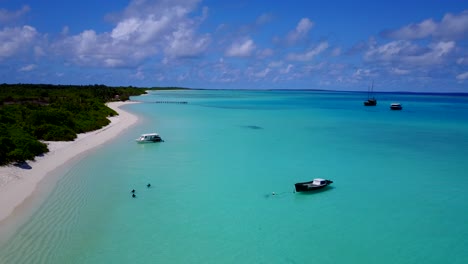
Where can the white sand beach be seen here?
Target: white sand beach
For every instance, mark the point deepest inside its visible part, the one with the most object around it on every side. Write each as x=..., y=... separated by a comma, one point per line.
x=17, y=184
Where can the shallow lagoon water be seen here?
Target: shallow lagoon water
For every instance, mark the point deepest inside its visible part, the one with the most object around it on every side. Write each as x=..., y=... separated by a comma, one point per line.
x=399, y=192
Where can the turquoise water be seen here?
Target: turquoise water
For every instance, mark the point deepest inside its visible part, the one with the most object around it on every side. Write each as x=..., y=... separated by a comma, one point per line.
x=399, y=192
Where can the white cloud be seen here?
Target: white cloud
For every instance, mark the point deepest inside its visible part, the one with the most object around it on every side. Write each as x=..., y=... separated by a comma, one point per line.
x=389, y=51
x=413, y=31
x=125, y=29
x=65, y=30
x=27, y=68
x=39, y=51
x=185, y=43
x=265, y=53
x=462, y=61
x=10, y=16
x=143, y=8
x=451, y=27
x=336, y=52
x=264, y=19
x=112, y=62
x=398, y=71
x=300, y=32
x=462, y=76
x=220, y=72
x=310, y=54
x=139, y=74
x=275, y=64
x=145, y=29
x=16, y=40
x=362, y=73
x=92, y=49
x=262, y=74
x=287, y=69
x=407, y=52
x=241, y=49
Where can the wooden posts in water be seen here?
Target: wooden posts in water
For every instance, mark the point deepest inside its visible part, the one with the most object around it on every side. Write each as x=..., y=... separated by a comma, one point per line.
x=170, y=102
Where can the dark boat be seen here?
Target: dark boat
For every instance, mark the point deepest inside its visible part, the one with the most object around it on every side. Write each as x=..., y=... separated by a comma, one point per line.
x=312, y=185
x=151, y=137
x=370, y=101
x=396, y=106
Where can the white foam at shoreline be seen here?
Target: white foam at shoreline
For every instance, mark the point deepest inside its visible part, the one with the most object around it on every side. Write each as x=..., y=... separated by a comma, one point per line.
x=17, y=184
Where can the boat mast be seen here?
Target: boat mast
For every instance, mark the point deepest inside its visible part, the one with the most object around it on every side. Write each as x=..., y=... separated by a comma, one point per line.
x=368, y=92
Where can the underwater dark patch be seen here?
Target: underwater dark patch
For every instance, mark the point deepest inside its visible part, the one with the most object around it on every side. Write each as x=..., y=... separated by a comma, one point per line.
x=253, y=127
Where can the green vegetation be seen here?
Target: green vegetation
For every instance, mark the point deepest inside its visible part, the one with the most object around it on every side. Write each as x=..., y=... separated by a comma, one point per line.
x=30, y=113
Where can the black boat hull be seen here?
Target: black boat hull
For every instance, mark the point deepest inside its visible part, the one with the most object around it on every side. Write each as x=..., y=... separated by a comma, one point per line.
x=308, y=186
x=370, y=102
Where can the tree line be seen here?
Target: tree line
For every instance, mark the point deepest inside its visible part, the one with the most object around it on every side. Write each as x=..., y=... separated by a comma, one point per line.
x=32, y=113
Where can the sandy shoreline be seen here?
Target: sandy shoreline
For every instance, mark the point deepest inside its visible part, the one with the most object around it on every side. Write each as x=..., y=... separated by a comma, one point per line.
x=17, y=184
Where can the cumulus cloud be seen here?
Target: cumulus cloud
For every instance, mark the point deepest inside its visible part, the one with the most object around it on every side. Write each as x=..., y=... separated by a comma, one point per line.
x=451, y=27
x=407, y=52
x=141, y=30
x=336, y=52
x=287, y=69
x=184, y=43
x=300, y=32
x=221, y=72
x=16, y=40
x=241, y=49
x=462, y=76
x=275, y=64
x=309, y=54
x=145, y=28
x=398, y=71
x=265, y=53
x=7, y=16
x=362, y=73
x=462, y=61
x=264, y=19
x=139, y=74
x=258, y=74
x=27, y=68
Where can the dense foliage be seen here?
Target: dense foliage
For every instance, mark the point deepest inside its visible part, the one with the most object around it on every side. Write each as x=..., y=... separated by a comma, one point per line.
x=30, y=113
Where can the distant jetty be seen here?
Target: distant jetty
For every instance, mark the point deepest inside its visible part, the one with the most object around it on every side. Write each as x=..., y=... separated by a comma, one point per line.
x=164, y=102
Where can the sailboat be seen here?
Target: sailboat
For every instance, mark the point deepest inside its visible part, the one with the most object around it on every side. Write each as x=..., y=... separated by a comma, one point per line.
x=370, y=101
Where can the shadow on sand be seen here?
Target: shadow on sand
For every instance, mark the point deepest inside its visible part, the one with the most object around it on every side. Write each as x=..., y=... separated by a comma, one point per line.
x=23, y=165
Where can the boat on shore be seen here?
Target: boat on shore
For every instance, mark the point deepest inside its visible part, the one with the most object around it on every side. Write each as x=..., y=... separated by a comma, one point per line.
x=313, y=185
x=396, y=106
x=149, y=138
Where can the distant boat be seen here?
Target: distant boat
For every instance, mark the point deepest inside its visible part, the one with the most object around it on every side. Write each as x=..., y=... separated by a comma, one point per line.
x=395, y=106
x=148, y=138
x=370, y=101
x=312, y=185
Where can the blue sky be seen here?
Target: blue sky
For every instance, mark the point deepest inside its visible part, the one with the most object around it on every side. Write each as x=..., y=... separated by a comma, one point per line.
x=418, y=46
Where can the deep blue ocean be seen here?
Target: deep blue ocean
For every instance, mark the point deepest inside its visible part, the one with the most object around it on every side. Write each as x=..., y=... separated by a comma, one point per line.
x=400, y=191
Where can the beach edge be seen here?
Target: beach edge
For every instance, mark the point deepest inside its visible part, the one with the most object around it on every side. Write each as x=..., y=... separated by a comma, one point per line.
x=18, y=184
